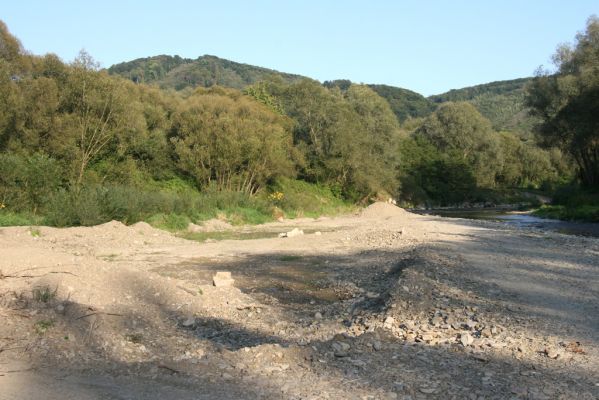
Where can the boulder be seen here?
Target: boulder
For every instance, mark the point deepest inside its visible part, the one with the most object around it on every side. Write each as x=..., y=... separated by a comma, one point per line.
x=222, y=279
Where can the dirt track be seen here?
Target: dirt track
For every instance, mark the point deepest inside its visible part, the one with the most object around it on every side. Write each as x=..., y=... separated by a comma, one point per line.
x=384, y=305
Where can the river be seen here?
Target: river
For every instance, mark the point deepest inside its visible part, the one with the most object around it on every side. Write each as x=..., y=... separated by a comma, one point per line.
x=521, y=220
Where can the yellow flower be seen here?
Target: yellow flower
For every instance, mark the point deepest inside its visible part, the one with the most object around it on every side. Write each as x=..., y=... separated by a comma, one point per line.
x=276, y=196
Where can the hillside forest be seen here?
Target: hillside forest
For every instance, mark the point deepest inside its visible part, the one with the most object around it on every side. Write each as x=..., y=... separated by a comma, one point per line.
x=172, y=140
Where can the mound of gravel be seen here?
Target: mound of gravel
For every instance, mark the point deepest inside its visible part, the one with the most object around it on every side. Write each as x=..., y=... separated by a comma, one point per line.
x=382, y=210
x=145, y=228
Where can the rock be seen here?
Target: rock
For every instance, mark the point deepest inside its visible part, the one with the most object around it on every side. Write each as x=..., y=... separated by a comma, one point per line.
x=551, y=353
x=486, y=332
x=317, y=315
x=341, y=346
x=222, y=279
x=317, y=233
x=427, y=390
x=60, y=308
x=437, y=320
x=427, y=337
x=189, y=322
x=389, y=321
x=466, y=339
x=357, y=363
x=292, y=233
x=340, y=349
x=377, y=345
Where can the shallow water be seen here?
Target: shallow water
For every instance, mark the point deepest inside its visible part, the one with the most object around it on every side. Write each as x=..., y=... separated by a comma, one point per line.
x=522, y=220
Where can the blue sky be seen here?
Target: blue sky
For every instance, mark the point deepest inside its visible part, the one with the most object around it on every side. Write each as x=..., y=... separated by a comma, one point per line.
x=426, y=46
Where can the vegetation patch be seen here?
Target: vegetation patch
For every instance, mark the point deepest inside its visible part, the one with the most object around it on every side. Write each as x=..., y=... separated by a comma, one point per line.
x=43, y=326
x=44, y=294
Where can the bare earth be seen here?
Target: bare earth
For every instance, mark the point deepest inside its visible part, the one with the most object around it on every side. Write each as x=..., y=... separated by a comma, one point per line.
x=384, y=305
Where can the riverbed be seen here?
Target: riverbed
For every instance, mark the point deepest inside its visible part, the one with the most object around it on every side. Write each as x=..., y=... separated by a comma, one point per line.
x=521, y=220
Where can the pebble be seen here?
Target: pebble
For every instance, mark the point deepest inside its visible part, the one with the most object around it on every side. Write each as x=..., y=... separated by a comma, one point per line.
x=317, y=315
x=466, y=339
x=189, y=322
x=551, y=353
x=377, y=345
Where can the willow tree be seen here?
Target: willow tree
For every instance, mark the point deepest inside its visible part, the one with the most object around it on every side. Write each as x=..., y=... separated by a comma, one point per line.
x=229, y=141
x=461, y=132
x=95, y=112
x=567, y=102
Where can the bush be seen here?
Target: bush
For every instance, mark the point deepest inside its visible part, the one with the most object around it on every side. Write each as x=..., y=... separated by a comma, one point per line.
x=170, y=222
x=27, y=181
x=300, y=197
x=8, y=218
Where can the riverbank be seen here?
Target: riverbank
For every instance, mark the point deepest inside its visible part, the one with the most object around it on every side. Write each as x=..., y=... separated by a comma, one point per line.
x=584, y=213
x=382, y=305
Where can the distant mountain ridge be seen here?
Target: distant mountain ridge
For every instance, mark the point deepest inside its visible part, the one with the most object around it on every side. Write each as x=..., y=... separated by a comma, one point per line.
x=174, y=72
x=502, y=102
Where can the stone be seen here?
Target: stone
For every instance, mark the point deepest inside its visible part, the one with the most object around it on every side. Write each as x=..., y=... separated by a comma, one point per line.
x=552, y=353
x=292, y=233
x=389, y=321
x=377, y=345
x=427, y=337
x=222, y=279
x=318, y=233
x=317, y=315
x=466, y=339
x=341, y=346
x=189, y=322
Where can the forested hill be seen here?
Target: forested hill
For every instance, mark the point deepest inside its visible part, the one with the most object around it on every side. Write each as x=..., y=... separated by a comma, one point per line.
x=405, y=103
x=174, y=72
x=502, y=102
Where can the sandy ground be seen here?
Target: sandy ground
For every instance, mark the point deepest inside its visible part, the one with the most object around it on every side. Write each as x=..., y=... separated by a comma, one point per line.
x=382, y=305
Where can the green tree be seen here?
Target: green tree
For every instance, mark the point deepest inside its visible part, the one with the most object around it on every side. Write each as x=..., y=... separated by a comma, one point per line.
x=567, y=102
x=224, y=139
x=95, y=111
x=460, y=130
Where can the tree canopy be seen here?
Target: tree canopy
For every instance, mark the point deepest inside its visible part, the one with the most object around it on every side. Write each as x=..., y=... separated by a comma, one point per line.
x=567, y=102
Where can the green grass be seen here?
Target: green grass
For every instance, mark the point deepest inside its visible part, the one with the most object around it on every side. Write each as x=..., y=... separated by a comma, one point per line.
x=8, y=218
x=173, y=204
x=44, y=294
x=303, y=199
x=226, y=235
x=169, y=222
x=290, y=257
x=588, y=213
x=35, y=232
x=42, y=326
x=573, y=203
